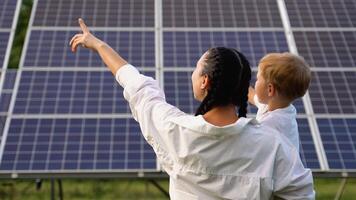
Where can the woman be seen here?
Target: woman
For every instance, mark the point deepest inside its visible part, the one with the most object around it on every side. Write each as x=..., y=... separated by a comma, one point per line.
x=217, y=154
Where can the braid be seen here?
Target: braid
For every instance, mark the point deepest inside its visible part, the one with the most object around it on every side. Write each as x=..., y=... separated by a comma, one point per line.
x=225, y=88
x=244, y=82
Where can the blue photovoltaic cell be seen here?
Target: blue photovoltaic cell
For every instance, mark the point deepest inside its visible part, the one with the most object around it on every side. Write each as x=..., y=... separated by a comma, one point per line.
x=220, y=13
x=10, y=78
x=103, y=13
x=327, y=48
x=76, y=144
x=7, y=11
x=68, y=92
x=333, y=92
x=322, y=13
x=183, y=49
x=179, y=92
x=339, y=140
x=5, y=99
x=51, y=49
x=4, y=38
x=307, y=147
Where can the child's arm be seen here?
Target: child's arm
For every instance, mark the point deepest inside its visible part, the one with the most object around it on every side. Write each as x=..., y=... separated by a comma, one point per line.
x=251, y=95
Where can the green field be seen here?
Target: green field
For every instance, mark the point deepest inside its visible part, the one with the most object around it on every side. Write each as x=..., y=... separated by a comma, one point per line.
x=137, y=189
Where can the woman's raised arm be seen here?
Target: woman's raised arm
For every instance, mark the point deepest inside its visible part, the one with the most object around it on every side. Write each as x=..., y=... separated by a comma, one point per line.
x=109, y=56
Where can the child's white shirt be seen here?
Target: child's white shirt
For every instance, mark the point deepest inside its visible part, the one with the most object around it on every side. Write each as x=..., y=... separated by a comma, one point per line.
x=282, y=119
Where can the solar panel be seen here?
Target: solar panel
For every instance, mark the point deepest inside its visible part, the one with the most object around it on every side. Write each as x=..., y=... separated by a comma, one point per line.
x=7, y=10
x=339, y=139
x=70, y=115
x=322, y=13
x=103, y=13
x=183, y=49
x=76, y=144
x=51, y=49
x=333, y=92
x=327, y=48
x=220, y=13
x=68, y=92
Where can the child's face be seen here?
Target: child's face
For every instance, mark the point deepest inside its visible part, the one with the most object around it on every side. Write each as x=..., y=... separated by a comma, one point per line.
x=261, y=88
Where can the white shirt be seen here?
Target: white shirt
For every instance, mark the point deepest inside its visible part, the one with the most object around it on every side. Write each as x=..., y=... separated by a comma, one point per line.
x=239, y=161
x=282, y=119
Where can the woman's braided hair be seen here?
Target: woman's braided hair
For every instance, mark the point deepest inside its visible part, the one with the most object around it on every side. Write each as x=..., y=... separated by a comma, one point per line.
x=229, y=74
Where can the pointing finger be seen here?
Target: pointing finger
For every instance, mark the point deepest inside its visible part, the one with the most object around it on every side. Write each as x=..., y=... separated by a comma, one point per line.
x=83, y=26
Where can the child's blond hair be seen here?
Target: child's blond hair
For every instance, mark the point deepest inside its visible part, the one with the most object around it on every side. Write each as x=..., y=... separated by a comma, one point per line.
x=288, y=73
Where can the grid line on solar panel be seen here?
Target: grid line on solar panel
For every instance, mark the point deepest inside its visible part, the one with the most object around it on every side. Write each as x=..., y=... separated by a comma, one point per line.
x=103, y=13
x=69, y=92
x=183, y=49
x=333, y=92
x=339, y=140
x=220, y=13
x=327, y=49
x=51, y=48
x=321, y=13
x=76, y=144
x=7, y=12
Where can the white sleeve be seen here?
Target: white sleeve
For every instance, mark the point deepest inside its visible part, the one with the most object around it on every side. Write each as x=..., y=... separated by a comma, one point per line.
x=291, y=179
x=149, y=107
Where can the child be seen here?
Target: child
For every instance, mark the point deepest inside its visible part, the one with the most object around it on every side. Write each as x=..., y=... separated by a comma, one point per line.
x=281, y=78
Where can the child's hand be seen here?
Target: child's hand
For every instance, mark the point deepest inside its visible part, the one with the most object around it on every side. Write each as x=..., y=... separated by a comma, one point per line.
x=86, y=39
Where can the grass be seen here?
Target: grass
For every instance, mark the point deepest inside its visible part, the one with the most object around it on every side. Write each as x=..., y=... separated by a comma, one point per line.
x=138, y=189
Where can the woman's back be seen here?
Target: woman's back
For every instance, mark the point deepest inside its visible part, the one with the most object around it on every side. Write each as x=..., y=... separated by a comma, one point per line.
x=206, y=167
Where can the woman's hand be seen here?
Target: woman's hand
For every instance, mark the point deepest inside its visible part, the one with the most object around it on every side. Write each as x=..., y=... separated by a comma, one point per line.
x=85, y=39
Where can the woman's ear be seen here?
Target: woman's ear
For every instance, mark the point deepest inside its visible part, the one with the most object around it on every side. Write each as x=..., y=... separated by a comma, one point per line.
x=205, y=82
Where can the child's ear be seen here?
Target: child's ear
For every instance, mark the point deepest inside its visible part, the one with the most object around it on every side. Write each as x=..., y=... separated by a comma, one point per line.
x=271, y=90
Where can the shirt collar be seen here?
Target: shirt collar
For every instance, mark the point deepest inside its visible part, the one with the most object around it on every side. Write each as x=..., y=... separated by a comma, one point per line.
x=198, y=124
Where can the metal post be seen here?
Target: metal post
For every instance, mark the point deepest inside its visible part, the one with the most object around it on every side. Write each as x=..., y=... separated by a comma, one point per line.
x=60, y=189
x=159, y=187
x=53, y=191
x=341, y=189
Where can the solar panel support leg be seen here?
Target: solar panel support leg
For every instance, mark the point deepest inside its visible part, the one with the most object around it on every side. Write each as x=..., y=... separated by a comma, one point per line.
x=341, y=189
x=60, y=189
x=53, y=190
x=160, y=188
